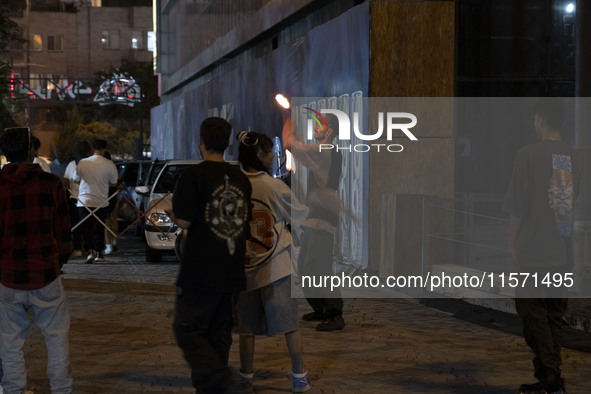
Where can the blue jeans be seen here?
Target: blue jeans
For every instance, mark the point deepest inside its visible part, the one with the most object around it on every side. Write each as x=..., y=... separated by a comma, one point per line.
x=50, y=310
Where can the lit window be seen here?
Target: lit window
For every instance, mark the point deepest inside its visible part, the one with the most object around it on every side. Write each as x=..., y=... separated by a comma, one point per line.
x=137, y=40
x=97, y=3
x=35, y=42
x=55, y=43
x=110, y=39
x=151, y=41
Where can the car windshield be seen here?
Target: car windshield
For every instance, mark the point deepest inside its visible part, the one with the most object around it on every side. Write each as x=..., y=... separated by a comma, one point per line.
x=168, y=177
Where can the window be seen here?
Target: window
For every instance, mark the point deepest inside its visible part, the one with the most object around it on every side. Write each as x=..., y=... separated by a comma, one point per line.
x=110, y=39
x=137, y=40
x=96, y=3
x=55, y=43
x=35, y=42
x=151, y=41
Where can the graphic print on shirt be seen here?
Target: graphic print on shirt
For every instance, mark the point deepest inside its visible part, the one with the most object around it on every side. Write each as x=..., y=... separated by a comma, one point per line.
x=561, y=193
x=262, y=245
x=226, y=213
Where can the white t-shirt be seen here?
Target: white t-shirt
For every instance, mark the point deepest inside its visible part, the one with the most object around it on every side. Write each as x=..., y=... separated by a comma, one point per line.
x=42, y=163
x=71, y=176
x=95, y=174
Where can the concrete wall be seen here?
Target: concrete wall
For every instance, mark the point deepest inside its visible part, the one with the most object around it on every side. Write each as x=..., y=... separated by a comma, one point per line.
x=412, y=55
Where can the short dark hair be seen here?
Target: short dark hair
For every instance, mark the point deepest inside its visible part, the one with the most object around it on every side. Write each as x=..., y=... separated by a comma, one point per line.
x=251, y=144
x=332, y=122
x=35, y=142
x=81, y=149
x=552, y=110
x=15, y=143
x=215, y=134
x=99, y=144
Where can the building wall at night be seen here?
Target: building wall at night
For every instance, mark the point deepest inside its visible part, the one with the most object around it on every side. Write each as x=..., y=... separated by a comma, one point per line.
x=306, y=48
x=73, y=43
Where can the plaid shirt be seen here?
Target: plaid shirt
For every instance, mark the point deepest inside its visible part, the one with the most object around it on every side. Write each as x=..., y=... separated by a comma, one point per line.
x=35, y=237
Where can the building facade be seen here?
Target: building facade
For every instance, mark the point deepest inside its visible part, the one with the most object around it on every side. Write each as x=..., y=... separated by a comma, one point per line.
x=70, y=43
x=230, y=58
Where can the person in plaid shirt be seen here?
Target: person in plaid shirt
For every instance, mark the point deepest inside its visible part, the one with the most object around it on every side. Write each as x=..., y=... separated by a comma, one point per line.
x=35, y=241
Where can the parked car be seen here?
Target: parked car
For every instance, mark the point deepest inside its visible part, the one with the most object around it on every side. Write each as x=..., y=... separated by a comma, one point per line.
x=159, y=231
x=141, y=194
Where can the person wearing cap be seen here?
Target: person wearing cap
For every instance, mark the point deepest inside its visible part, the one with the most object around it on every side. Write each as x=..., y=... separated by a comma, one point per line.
x=35, y=242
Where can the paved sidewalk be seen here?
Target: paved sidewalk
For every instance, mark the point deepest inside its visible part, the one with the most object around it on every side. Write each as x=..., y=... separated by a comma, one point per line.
x=122, y=342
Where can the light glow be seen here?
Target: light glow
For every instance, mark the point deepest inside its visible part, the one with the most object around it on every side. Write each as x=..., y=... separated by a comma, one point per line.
x=282, y=101
x=570, y=8
x=289, y=162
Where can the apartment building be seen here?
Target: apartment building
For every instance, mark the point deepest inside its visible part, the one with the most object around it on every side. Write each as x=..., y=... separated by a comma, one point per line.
x=69, y=42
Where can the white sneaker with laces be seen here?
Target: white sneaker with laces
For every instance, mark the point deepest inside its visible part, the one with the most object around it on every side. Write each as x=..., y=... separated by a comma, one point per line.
x=108, y=249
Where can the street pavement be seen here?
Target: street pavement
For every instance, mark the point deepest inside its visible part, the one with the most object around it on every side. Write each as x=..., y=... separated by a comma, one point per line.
x=122, y=342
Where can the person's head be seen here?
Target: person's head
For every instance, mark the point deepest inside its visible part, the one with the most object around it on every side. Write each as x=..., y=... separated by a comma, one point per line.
x=255, y=151
x=549, y=113
x=35, y=143
x=323, y=134
x=81, y=150
x=61, y=155
x=99, y=145
x=16, y=144
x=215, y=135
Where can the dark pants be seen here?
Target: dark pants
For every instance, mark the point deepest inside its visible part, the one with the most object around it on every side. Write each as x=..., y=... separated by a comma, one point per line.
x=93, y=231
x=203, y=330
x=315, y=259
x=77, y=235
x=542, y=329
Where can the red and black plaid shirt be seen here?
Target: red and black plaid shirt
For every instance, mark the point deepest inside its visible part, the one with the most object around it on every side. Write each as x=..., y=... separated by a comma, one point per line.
x=35, y=237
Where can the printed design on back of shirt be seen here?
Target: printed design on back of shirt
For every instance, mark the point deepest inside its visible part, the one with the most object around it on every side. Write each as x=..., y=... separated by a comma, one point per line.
x=264, y=236
x=226, y=213
x=561, y=193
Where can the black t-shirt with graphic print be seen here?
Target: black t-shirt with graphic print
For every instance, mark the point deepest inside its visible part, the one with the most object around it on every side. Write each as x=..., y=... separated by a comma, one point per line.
x=215, y=198
x=545, y=182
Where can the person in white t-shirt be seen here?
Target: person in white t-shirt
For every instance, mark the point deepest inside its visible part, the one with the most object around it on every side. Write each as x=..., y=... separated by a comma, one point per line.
x=96, y=174
x=81, y=150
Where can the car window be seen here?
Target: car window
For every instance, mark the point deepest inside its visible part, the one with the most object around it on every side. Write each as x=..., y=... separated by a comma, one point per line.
x=156, y=168
x=168, y=178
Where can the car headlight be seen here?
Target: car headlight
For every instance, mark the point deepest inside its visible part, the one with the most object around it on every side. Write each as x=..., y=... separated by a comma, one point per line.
x=160, y=218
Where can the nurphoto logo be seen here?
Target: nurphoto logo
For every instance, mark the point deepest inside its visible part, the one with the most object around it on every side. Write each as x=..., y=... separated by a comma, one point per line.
x=392, y=124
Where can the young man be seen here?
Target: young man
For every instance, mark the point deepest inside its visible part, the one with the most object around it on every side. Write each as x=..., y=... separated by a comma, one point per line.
x=540, y=201
x=34, y=244
x=96, y=174
x=212, y=201
x=317, y=250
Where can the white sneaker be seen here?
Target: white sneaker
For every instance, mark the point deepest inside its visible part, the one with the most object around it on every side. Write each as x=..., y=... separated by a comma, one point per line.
x=108, y=249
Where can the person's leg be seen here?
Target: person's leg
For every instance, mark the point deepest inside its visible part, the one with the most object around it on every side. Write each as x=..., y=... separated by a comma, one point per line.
x=556, y=309
x=86, y=228
x=99, y=230
x=246, y=346
x=14, y=325
x=202, y=327
x=295, y=348
x=538, y=336
x=51, y=313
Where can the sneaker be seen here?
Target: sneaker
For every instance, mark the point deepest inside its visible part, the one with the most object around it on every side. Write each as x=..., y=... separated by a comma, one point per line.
x=331, y=324
x=300, y=383
x=108, y=249
x=314, y=316
x=535, y=388
x=91, y=257
x=245, y=382
x=77, y=253
x=99, y=257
